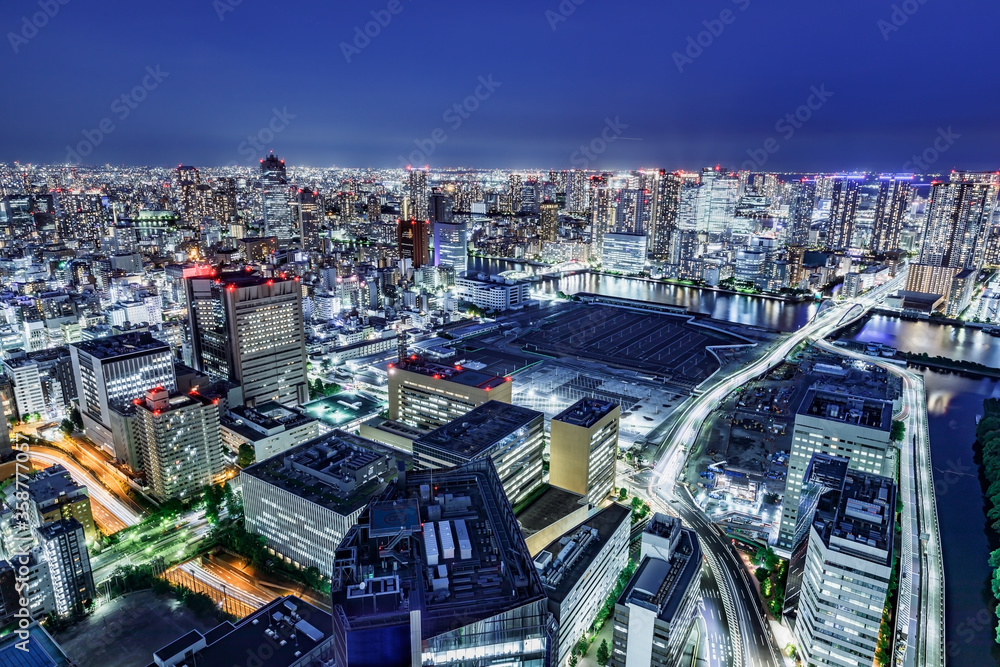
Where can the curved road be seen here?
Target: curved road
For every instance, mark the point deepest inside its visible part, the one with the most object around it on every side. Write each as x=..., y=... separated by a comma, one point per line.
x=745, y=623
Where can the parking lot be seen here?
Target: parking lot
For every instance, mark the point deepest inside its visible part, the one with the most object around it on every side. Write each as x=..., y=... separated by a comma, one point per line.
x=660, y=345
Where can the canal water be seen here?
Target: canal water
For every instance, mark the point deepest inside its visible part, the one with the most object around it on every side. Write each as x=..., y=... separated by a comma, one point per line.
x=954, y=401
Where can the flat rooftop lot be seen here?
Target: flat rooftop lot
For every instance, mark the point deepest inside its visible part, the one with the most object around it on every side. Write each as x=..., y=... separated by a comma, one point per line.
x=651, y=343
x=126, y=631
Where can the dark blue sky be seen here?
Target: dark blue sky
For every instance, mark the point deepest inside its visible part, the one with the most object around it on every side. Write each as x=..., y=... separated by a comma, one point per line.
x=892, y=89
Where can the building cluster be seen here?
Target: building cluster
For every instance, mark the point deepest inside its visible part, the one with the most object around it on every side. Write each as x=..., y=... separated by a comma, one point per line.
x=838, y=522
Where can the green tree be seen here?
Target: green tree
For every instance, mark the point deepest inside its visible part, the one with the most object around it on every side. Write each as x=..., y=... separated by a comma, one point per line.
x=762, y=573
x=603, y=653
x=574, y=661
x=76, y=418
x=246, y=456
x=582, y=645
x=898, y=431
x=66, y=426
x=623, y=494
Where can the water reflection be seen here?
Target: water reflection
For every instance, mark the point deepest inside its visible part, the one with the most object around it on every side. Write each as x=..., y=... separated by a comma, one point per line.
x=744, y=309
x=934, y=339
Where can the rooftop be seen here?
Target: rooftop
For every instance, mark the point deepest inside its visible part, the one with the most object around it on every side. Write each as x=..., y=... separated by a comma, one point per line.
x=52, y=483
x=331, y=470
x=288, y=626
x=264, y=420
x=861, y=519
x=660, y=585
x=551, y=506
x=457, y=373
x=480, y=567
x=342, y=408
x=475, y=432
x=139, y=342
x=562, y=563
x=847, y=408
x=586, y=412
x=40, y=651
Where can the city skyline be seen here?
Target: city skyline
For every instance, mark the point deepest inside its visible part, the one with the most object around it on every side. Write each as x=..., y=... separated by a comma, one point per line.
x=694, y=84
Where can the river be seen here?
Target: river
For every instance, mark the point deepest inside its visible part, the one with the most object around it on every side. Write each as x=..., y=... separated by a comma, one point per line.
x=953, y=403
x=745, y=309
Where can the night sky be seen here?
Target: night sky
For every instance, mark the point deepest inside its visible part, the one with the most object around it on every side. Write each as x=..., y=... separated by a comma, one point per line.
x=894, y=82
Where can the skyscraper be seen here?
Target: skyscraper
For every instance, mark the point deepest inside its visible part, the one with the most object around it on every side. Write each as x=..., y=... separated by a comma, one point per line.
x=803, y=202
x=843, y=212
x=248, y=329
x=548, y=221
x=178, y=435
x=602, y=211
x=275, y=197
x=955, y=237
x=187, y=182
x=663, y=218
x=440, y=206
x=577, y=191
x=958, y=220
x=515, y=191
x=451, y=246
x=890, y=207
x=412, y=241
x=308, y=214
x=416, y=194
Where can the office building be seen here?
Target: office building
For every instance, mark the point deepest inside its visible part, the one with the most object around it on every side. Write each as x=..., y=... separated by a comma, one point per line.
x=275, y=195
x=624, y=253
x=577, y=191
x=270, y=428
x=63, y=546
x=847, y=571
x=42, y=381
x=436, y=573
x=248, y=329
x=451, y=246
x=510, y=435
x=286, y=632
x=655, y=612
x=115, y=370
x=412, y=240
x=427, y=395
x=579, y=568
x=496, y=293
x=179, y=442
x=584, y=447
x=305, y=499
x=843, y=212
x=53, y=495
x=838, y=423
x=824, y=473
x=548, y=221
x=890, y=208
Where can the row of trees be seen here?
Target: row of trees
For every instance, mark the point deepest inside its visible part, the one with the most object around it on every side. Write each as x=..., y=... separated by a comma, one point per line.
x=319, y=389
x=772, y=573
x=988, y=437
